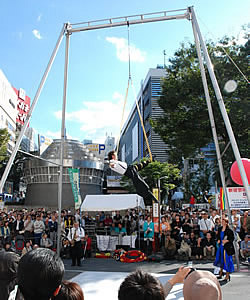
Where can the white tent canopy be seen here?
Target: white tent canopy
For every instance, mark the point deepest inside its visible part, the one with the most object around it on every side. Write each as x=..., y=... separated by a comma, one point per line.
x=112, y=202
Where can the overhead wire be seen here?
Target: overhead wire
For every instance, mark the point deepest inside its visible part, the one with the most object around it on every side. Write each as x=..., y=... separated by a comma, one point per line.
x=130, y=82
x=231, y=59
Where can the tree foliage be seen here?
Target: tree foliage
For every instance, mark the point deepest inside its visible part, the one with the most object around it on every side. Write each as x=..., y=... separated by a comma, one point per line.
x=185, y=124
x=4, y=138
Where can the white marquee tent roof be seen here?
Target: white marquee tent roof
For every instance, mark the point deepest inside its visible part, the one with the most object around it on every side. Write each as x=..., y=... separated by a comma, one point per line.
x=112, y=202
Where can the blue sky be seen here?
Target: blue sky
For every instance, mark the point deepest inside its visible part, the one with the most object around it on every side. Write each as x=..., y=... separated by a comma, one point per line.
x=98, y=69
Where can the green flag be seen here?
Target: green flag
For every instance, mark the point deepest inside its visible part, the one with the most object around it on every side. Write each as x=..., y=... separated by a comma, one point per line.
x=74, y=177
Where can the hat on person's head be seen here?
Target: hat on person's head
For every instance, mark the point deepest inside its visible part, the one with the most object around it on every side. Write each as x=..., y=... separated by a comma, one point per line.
x=201, y=285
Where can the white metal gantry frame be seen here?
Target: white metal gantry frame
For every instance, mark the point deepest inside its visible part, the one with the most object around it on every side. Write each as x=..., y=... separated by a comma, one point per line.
x=69, y=29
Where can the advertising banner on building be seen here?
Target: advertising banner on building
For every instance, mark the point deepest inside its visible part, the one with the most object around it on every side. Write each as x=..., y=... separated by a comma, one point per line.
x=237, y=198
x=23, y=105
x=156, y=211
x=74, y=177
x=97, y=149
x=43, y=143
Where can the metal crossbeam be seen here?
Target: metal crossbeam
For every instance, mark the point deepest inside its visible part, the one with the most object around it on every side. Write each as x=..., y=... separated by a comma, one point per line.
x=131, y=20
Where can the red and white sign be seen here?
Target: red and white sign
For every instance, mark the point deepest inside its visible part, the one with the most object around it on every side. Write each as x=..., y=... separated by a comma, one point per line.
x=237, y=198
x=23, y=106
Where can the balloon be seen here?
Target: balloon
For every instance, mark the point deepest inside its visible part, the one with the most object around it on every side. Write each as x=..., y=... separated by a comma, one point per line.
x=235, y=172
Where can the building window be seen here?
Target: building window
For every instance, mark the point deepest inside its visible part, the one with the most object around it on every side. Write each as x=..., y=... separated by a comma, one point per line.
x=135, y=142
x=123, y=153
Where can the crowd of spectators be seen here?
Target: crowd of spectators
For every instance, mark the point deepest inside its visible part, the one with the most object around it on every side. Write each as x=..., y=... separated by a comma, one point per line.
x=183, y=233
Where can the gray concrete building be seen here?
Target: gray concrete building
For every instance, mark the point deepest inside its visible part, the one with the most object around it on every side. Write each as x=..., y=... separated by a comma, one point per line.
x=42, y=176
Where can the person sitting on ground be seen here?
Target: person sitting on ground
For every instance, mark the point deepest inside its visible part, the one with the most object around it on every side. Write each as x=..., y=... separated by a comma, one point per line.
x=69, y=291
x=245, y=247
x=195, y=251
x=131, y=171
x=40, y=274
x=27, y=247
x=141, y=285
x=208, y=245
x=170, y=247
x=185, y=248
x=45, y=241
x=8, y=273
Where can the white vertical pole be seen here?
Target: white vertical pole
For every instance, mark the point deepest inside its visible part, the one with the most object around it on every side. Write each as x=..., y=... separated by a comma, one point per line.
x=213, y=127
x=25, y=125
x=60, y=178
x=222, y=107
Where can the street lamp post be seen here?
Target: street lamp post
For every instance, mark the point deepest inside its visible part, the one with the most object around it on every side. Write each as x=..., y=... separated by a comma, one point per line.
x=159, y=187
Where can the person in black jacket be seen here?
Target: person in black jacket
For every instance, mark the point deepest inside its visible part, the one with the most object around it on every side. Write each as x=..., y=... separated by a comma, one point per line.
x=225, y=251
x=8, y=273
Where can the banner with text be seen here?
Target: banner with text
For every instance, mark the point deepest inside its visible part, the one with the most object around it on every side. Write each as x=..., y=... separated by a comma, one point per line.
x=74, y=177
x=237, y=198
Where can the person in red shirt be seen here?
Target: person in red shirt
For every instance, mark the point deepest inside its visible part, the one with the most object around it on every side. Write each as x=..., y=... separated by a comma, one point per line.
x=192, y=201
x=87, y=246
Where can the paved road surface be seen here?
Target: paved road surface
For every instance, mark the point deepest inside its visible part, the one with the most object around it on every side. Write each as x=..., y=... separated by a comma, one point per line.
x=237, y=288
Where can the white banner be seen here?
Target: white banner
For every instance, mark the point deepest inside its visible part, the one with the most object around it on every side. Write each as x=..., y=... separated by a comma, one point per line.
x=237, y=198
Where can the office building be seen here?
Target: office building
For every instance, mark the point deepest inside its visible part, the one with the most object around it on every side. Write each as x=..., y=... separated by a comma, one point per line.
x=132, y=145
x=8, y=110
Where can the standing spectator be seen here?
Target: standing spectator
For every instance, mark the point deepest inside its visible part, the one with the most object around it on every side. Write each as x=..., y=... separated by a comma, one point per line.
x=205, y=197
x=39, y=227
x=206, y=224
x=53, y=230
x=46, y=224
x=133, y=225
x=208, y=245
x=176, y=227
x=225, y=251
x=87, y=246
x=117, y=218
x=187, y=224
x=108, y=220
x=18, y=225
x=148, y=229
x=164, y=228
x=245, y=224
x=28, y=228
x=127, y=224
x=192, y=202
x=77, y=216
x=5, y=232
x=76, y=236
x=195, y=222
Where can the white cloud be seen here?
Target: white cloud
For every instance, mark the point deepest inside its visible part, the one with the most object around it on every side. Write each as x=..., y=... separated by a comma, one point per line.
x=98, y=118
x=37, y=34
x=121, y=45
x=39, y=18
x=57, y=135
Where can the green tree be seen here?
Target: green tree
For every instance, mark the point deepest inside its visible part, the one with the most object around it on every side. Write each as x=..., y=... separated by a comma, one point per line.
x=185, y=125
x=152, y=173
x=4, y=138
